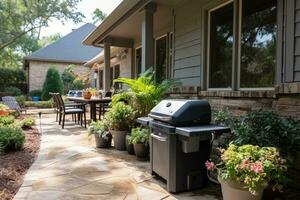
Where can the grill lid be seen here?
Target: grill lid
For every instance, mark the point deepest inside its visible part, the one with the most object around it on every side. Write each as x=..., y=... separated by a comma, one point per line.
x=182, y=112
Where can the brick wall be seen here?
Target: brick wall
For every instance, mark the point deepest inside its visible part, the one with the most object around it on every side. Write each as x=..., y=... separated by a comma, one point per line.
x=38, y=71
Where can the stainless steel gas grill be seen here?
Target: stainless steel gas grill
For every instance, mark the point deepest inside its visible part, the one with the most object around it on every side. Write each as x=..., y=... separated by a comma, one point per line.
x=181, y=134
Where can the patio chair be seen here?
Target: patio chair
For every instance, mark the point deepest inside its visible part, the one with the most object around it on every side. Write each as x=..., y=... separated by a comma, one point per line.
x=12, y=103
x=105, y=106
x=65, y=110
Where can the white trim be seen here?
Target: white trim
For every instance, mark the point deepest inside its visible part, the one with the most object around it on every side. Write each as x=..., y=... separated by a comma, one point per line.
x=240, y=44
x=258, y=89
x=219, y=89
x=208, y=40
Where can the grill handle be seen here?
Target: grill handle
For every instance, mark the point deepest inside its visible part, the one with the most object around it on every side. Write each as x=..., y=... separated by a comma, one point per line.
x=162, y=139
x=166, y=119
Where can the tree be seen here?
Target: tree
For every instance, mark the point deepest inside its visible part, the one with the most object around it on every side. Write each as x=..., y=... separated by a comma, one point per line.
x=21, y=22
x=46, y=40
x=53, y=83
x=98, y=16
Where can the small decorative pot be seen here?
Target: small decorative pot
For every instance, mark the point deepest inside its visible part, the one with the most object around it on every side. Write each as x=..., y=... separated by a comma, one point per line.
x=119, y=138
x=4, y=112
x=87, y=95
x=129, y=147
x=141, y=151
x=103, y=142
x=232, y=190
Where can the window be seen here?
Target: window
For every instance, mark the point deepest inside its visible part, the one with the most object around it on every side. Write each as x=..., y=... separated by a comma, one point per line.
x=161, y=58
x=258, y=44
x=101, y=80
x=221, y=47
x=245, y=46
x=111, y=73
x=138, y=61
x=116, y=75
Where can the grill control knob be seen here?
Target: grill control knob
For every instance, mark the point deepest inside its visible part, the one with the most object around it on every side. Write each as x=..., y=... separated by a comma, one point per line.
x=169, y=104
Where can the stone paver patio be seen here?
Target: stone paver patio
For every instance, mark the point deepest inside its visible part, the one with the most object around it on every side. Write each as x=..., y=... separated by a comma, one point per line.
x=69, y=167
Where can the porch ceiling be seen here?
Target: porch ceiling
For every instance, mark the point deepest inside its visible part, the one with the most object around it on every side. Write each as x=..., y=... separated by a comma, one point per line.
x=130, y=26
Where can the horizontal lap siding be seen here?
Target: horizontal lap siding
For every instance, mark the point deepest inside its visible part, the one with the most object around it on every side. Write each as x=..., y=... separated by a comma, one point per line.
x=187, y=43
x=297, y=42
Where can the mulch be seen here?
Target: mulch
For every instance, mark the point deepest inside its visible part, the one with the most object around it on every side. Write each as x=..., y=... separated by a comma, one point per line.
x=14, y=165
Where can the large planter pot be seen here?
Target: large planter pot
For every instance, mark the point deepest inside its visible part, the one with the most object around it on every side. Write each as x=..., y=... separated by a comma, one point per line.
x=119, y=138
x=232, y=190
x=141, y=151
x=129, y=147
x=103, y=142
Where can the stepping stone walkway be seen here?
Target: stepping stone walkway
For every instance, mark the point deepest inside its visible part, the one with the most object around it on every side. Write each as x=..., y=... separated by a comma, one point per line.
x=69, y=167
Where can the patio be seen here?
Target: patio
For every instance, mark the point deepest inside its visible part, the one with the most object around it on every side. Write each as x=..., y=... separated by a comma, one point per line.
x=69, y=168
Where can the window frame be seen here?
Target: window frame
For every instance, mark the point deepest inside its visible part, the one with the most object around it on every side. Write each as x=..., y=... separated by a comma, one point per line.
x=237, y=45
x=208, y=46
x=167, y=52
x=135, y=60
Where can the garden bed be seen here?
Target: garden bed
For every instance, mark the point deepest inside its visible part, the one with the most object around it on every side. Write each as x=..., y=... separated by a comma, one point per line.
x=14, y=165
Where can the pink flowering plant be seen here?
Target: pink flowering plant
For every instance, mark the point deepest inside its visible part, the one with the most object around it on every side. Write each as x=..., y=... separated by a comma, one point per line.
x=252, y=166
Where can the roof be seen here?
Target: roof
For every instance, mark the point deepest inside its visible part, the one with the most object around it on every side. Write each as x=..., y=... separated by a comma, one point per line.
x=119, y=14
x=68, y=49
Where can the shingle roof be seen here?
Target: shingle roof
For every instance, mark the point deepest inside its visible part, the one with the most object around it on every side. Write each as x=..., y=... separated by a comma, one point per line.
x=69, y=48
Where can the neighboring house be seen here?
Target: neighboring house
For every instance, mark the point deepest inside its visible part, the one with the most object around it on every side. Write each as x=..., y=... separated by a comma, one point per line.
x=242, y=54
x=68, y=50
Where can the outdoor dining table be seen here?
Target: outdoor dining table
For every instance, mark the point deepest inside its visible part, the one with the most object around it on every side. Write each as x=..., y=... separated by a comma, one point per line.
x=92, y=102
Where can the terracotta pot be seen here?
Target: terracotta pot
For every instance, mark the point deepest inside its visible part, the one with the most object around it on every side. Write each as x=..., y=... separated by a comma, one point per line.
x=119, y=138
x=232, y=190
x=87, y=95
x=141, y=151
x=129, y=147
x=103, y=142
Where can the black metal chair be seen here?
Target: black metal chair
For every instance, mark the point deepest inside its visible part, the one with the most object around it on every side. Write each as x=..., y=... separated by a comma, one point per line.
x=65, y=110
x=103, y=108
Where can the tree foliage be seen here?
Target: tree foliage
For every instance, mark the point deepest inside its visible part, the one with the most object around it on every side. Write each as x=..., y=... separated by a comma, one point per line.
x=98, y=16
x=21, y=22
x=53, y=83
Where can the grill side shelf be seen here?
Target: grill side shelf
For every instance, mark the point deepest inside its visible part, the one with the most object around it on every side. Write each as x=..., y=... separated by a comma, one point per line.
x=202, y=130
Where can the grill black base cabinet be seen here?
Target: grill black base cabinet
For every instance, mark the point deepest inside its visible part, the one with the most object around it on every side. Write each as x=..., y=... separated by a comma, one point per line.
x=179, y=148
x=182, y=171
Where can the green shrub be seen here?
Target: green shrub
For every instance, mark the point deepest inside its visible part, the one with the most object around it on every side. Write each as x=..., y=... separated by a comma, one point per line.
x=13, y=90
x=139, y=135
x=6, y=120
x=21, y=100
x=11, y=138
x=35, y=93
x=27, y=122
x=39, y=104
x=120, y=117
x=10, y=76
x=53, y=83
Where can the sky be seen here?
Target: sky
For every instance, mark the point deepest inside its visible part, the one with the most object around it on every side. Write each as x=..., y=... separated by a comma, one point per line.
x=86, y=7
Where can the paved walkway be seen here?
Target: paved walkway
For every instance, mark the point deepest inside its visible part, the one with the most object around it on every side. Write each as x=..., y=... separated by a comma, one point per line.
x=68, y=167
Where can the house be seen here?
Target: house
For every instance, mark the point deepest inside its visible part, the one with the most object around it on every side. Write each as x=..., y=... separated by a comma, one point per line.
x=241, y=54
x=68, y=50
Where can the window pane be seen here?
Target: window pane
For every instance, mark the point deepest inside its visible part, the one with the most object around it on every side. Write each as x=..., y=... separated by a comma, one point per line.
x=161, y=59
x=258, y=43
x=221, y=46
x=138, y=61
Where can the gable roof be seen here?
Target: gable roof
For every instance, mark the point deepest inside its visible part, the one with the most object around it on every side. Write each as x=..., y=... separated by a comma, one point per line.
x=68, y=49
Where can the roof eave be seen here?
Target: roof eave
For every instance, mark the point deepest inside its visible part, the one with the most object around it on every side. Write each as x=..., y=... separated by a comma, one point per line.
x=122, y=12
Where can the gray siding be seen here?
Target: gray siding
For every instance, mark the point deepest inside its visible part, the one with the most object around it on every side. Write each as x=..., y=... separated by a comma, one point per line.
x=297, y=42
x=187, y=43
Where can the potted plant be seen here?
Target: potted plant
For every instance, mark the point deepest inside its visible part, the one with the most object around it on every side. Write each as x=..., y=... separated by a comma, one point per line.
x=140, y=140
x=100, y=131
x=129, y=146
x=245, y=171
x=120, y=117
x=4, y=110
x=87, y=94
